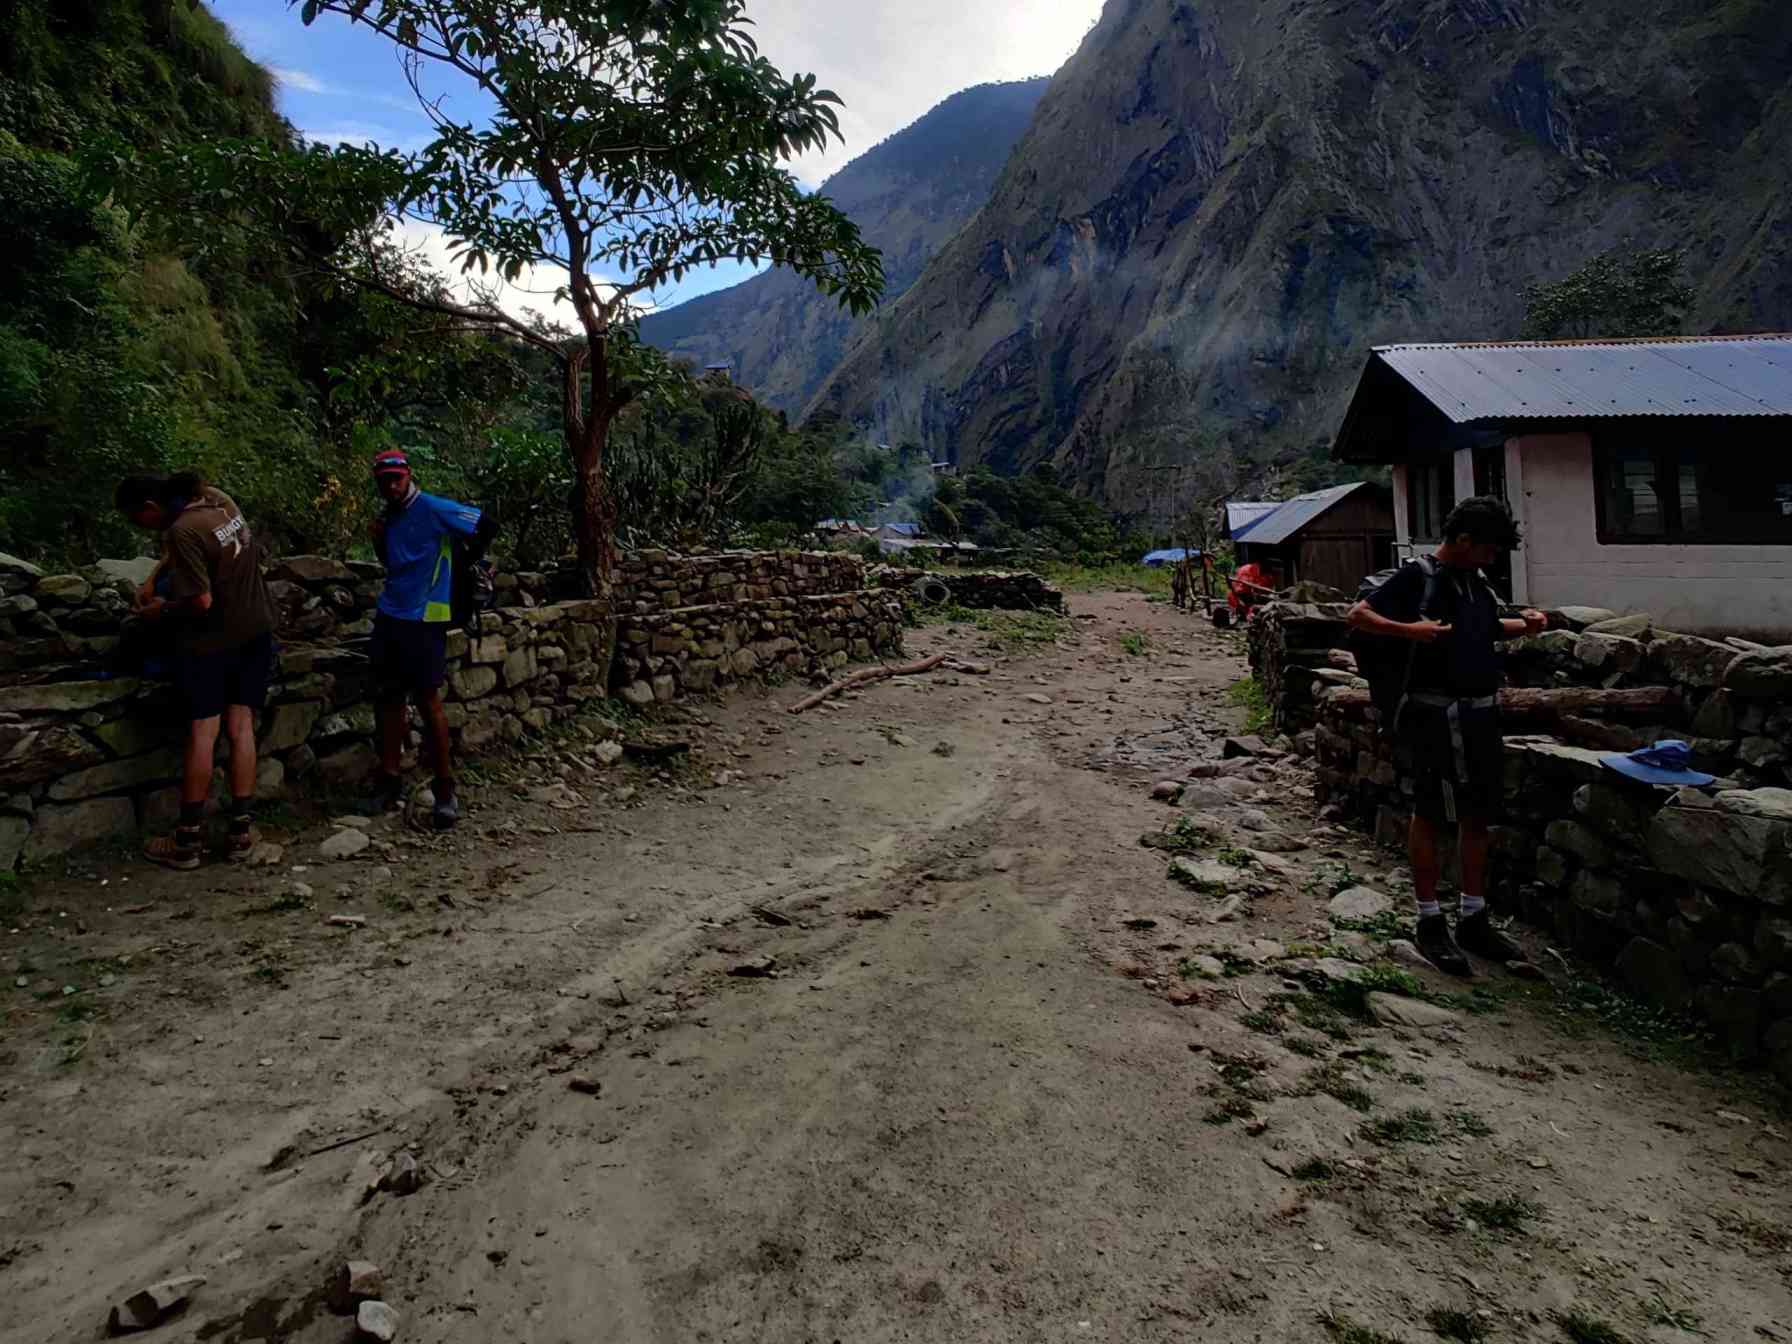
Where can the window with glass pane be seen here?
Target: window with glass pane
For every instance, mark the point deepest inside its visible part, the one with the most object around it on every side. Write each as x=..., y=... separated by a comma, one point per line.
x=1430, y=495
x=1490, y=471
x=1684, y=483
x=1632, y=502
x=1689, y=500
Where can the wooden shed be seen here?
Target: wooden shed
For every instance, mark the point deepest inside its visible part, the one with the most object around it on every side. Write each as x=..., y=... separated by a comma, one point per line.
x=1333, y=536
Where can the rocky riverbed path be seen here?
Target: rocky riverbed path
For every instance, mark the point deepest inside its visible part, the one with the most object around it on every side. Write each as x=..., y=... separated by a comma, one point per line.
x=915, y=1017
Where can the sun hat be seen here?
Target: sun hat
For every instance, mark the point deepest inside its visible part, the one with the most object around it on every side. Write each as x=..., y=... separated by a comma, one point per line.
x=390, y=461
x=1667, y=762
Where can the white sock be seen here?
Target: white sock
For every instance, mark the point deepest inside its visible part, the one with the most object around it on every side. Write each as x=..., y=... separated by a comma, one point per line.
x=1471, y=905
x=1429, y=909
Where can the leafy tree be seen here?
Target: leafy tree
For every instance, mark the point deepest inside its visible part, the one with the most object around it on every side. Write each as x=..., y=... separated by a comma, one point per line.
x=1615, y=295
x=628, y=141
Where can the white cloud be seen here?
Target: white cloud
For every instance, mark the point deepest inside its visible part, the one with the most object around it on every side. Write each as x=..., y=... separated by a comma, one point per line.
x=893, y=60
x=299, y=80
x=534, y=290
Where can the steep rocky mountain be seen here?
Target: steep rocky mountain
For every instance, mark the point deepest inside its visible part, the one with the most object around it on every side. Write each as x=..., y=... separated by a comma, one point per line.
x=1220, y=206
x=908, y=196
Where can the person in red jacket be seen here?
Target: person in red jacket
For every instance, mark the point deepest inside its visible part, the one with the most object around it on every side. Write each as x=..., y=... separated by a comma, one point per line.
x=1253, y=585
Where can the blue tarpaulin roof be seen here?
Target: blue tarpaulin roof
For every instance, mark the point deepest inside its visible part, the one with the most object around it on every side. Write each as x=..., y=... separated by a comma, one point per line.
x=1169, y=557
x=1275, y=527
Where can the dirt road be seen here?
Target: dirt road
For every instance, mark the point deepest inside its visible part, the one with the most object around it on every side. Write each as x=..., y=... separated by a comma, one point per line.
x=1007, y=1081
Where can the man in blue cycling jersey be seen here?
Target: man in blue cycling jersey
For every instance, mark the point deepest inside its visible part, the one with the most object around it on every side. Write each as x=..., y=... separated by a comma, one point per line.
x=409, y=650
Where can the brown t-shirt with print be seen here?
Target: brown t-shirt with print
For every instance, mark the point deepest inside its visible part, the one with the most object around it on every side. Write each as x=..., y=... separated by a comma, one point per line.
x=210, y=549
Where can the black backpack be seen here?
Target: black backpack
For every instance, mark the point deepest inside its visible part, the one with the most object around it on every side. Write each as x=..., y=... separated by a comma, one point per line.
x=471, y=589
x=1386, y=664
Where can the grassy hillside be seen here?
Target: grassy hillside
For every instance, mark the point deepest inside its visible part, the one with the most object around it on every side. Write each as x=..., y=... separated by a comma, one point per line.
x=121, y=344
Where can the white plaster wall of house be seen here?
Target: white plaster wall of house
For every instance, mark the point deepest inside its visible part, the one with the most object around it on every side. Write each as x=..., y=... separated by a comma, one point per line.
x=1708, y=589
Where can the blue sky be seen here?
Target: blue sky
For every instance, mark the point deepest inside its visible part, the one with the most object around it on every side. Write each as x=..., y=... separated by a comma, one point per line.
x=891, y=60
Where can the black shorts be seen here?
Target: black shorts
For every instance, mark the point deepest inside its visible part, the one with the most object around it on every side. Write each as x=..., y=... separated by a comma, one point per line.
x=212, y=682
x=1451, y=761
x=408, y=657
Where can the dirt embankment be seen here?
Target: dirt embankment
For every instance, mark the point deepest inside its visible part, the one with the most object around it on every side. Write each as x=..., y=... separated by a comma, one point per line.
x=1008, y=1081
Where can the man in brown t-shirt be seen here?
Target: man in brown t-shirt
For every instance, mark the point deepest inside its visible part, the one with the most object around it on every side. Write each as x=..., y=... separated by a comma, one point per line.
x=224, y=645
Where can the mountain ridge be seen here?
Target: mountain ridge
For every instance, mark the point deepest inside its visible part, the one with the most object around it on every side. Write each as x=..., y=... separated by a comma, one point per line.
x=909, y=194
x=1219, y=209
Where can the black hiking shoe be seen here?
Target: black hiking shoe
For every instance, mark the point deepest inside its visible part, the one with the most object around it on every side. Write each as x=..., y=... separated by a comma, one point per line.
x=1439, y=948
x=1476, y=934
x=445, y=813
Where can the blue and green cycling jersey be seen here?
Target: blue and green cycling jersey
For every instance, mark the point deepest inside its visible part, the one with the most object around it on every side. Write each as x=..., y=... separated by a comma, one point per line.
x=420, y=558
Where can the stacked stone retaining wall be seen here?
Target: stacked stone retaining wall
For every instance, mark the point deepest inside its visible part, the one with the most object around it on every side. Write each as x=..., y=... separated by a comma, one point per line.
x=1687, y=893
x=85, y=756
x=979, y=590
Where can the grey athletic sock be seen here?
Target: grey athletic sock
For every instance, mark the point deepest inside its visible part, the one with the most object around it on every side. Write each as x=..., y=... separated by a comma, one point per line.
x=1471, y=905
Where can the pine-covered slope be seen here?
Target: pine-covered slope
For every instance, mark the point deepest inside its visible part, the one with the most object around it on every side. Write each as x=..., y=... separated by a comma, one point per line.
x=908, y=195
x=1220, y=206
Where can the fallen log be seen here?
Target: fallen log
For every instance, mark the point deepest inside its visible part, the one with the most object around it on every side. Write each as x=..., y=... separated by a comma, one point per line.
x=864, y=676
x=1528, y=702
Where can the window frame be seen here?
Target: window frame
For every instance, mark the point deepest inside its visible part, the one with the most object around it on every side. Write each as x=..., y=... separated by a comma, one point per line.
x=1668, y=457
x=1416, y=474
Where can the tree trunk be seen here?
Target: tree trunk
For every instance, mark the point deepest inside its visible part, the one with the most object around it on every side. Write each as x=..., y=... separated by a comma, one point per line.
x=587, y=430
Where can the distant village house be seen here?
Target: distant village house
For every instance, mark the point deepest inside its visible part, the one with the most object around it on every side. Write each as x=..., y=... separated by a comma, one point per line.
x=1332, y=536
x=1648, y=476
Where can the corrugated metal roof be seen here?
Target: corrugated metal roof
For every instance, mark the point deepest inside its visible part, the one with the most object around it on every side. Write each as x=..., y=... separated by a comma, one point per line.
x=1242, y=513
x=1275, y=527
x=1719, y=375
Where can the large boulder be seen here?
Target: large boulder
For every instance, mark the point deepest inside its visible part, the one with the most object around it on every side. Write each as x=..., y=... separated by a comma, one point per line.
x=1579, y=618
x=1608, y=653
x=1739, y=843
x=132, y=574
x=1615, y=811
x=60, y=829
x=1638, y=626
x=113, y=776
x=1581, y=841
x=65, y=697
x=11, y=564
x=1687, y=660
x=33, y=752
x=1760, y=673
x=70, y=589
x=290, y=725
x=1716, y=717
x=1359, y=903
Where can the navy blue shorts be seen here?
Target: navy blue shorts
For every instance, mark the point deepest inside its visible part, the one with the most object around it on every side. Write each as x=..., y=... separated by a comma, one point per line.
x=212, y=682
x=408, y=657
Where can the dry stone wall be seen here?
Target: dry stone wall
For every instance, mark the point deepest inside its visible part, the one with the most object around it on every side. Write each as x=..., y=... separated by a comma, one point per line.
x=86, y=756
x=1687, y=893
x=980, y=590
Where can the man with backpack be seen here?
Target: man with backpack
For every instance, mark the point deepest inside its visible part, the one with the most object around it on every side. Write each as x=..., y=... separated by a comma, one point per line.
x=416, y=540
x=1426, y=636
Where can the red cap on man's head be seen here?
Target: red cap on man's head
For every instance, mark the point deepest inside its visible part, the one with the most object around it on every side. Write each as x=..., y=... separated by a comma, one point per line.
x=392, y=462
